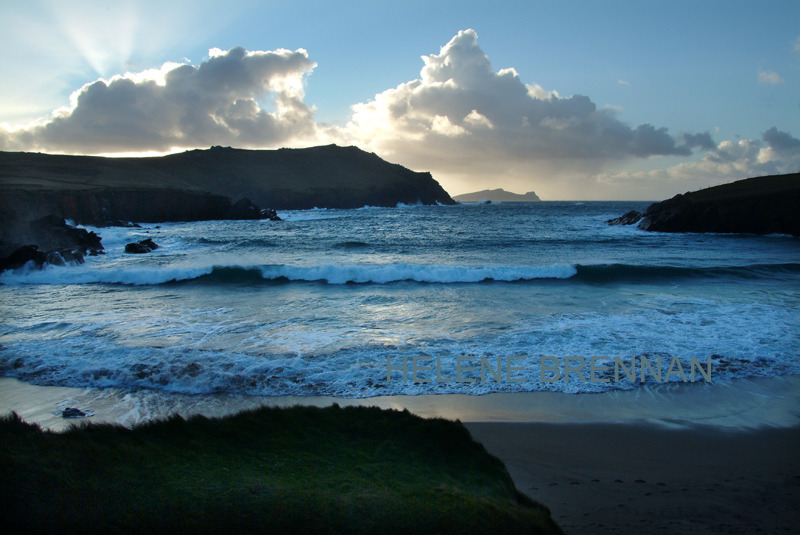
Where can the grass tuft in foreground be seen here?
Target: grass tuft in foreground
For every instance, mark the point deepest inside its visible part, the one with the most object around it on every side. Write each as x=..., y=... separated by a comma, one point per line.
x=296, y=470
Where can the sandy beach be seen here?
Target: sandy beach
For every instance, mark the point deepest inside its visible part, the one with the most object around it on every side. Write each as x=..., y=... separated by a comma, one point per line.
x=719, y=458
x=639, y=478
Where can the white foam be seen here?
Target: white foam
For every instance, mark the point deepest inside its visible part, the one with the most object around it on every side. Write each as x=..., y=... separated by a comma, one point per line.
x=382, y=274
x=149, y=273
x=134, y=275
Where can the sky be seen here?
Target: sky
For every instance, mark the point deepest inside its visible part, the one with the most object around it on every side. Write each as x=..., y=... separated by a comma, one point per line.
x=575, y=100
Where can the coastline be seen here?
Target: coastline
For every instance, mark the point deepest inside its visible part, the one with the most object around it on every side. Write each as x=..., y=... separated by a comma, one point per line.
x=743, y=404
x=712, y=458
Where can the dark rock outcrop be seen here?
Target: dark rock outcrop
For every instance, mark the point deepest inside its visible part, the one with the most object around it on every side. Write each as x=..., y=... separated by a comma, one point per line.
x=243, y=209
x=198, y=185
x=760, y=205
x=269, y=213
x=47, y=240
x=38, y=259
x=53, y=232
x=72, y=412
x=630, y=218
x=144, y=246
x=23, y=255
x=116, y=207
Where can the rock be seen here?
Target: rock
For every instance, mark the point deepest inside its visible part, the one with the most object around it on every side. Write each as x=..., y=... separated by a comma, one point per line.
x=269, y=213
x=47, y=240
x=144, y=246
x=118, y=223
x=52, y=232
x=149, y=243
x=759, y=205
x=243, y=209
x=630, y=218
x=23, y=255
x=136, y=248
x=72, y=412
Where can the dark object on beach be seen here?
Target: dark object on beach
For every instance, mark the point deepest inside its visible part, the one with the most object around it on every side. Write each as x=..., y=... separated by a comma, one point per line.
x=629, y=218
x=144, y=246
x=72, y=412
x=759, y=205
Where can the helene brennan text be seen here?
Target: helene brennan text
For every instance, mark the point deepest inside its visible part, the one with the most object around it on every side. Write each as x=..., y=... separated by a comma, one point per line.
x=512, y=369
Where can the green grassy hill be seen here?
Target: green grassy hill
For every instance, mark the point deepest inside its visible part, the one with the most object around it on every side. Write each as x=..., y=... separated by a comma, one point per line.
x=298, y=470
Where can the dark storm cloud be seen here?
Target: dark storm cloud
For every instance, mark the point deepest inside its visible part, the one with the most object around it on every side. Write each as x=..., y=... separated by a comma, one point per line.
x=704, y=141
x=781, y=141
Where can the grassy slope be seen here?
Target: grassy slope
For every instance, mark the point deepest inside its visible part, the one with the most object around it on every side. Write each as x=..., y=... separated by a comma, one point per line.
x=748, y=188
x=298, y=470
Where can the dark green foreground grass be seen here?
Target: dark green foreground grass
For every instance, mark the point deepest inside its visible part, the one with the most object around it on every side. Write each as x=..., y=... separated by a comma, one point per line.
x=297, y=470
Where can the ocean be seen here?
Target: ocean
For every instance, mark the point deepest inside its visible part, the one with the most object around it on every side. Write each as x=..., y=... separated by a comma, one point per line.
x=467, y=299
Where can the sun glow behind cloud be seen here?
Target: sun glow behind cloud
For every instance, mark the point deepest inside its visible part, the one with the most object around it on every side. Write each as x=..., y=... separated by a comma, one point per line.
x=102, y=41
x=473, y=125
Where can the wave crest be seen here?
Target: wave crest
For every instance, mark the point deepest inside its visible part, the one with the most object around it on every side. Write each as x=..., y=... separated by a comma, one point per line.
x=387, y=273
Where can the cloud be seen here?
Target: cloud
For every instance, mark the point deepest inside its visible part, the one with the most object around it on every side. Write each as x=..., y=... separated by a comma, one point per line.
x=471, y=125
x=703, y=140
x=781, y=141
x=776, y=153
x=182, y=106
x=769, y=77
x=462, y=117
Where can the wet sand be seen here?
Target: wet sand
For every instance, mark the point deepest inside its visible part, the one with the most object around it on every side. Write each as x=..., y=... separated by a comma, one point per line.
x=743, y=404
x=640, y=478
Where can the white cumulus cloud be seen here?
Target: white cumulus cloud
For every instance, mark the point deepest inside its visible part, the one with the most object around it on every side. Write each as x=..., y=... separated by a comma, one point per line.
x=182, y=106
x=769, y=77
x=471, y=125
x=463, y=118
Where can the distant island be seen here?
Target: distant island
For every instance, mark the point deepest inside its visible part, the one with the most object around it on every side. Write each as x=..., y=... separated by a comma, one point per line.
x=759, y=205
x=38, y=191
x=496, y=195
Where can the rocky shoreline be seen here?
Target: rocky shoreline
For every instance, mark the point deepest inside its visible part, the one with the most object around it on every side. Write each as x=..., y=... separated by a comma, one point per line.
x=38, y=192
x=48, y=240
x=759, y=205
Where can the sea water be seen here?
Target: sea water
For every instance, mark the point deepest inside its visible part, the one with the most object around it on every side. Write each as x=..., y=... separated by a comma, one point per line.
x=468, y=299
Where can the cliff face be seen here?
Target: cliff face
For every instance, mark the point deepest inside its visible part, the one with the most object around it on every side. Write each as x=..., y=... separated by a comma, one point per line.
x=760, y=205
x=219, y=183
x=324, y=177
x=97, y=207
